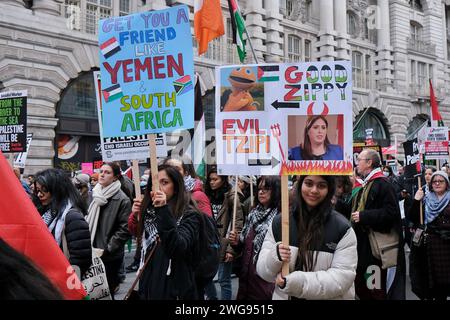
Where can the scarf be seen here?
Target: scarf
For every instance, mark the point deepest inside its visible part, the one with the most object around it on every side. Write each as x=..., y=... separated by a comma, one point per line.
x=56, y=223
x=374, y=174
x=100, y=197
x=189, y=183
x=364, y=185
x=151, y=235
x=259, y=219
x=434, y=206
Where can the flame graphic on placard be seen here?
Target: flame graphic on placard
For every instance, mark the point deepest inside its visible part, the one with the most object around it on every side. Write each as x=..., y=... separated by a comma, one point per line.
x=323, y=167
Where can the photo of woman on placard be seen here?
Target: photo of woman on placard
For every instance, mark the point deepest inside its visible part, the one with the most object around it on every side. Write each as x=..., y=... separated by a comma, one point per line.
x=316, y=144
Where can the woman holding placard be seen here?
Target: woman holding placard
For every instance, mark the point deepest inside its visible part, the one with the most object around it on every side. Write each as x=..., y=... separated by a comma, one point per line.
x=171, y=225
x=322, y=254
x=249, y=242
x=316, y=145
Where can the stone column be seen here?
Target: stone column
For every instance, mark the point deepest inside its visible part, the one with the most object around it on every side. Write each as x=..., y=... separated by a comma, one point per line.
x=326, y=44
x=340, y=25
x=384, y=50
x=255, y=23
x=274, y=41
x=47, y=6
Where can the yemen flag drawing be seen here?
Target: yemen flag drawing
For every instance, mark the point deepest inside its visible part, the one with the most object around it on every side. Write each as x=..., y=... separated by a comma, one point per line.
x=183, y=85
x=109, y=47
x=268, y=73
x=22, y=228
x=112, y=93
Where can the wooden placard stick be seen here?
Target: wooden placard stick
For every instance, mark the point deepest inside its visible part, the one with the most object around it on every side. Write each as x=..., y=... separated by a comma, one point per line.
x=153, y=161
x=136, y=178
x=233, y=226
x=421, y=209
x=251, y=192
x=285, y=219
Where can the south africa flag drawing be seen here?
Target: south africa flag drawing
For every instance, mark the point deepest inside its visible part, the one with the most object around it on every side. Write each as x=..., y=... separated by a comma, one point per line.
x=110, y=47
x=183, y=85
x=112, y=93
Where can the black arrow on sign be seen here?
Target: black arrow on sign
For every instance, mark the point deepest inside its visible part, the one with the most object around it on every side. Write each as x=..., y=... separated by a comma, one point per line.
x=293, y=105
x=263, y=162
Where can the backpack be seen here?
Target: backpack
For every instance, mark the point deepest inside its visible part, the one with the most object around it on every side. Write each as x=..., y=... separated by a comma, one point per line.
x=209, y=248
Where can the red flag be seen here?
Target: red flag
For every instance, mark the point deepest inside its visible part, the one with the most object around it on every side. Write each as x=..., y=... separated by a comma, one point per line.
x=435, y=115
x=22, y=228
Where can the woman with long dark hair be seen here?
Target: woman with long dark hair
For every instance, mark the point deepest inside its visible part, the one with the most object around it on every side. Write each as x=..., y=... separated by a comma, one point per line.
x=63, y=211
x=108, y=220
x=170, y=217
x=322, y=253
x=316, y=145
x=249, y=242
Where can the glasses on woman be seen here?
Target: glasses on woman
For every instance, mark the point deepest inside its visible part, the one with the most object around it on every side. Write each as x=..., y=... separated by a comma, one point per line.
x=438, y=182
x=263, y=189
x=41, y=191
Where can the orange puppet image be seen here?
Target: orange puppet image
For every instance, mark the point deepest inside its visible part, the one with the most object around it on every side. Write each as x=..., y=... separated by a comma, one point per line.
x=242, y=79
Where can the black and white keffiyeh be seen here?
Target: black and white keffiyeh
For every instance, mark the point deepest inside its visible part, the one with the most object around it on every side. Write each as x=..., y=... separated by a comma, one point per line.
x=259, y=219
x=55, y=222
x=189, y=183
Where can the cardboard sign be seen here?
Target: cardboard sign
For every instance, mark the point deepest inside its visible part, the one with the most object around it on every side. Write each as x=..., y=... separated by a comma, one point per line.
x=147, y=68
x=125, y=148
x=436, y=145
x=20, y=158
x=13, y=121
x=412, y=165
x=268, y=117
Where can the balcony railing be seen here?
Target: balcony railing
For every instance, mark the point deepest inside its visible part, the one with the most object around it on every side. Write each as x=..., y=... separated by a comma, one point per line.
x=421, y=46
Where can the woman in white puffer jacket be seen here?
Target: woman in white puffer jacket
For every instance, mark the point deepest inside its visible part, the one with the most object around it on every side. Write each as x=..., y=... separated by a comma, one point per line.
x=322, y=254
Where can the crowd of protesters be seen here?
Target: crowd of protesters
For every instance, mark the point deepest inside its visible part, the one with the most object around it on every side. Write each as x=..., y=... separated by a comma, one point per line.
x=330, y=254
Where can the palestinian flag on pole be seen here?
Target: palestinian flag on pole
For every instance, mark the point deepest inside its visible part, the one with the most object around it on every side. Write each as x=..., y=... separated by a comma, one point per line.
x=436, y=118
x=238, y=25
x=22, y=228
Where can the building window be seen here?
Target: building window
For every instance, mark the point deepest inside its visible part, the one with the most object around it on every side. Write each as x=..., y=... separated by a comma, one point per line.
x=307, y=50
x=371, y=119
x=289, y=7
x=294, y=48
x=124, y=7
x=352, y=24
x=95, y=11
x=367, y=72
x=415, y=125
x=416, y=31
x=416, y=5
x=361, y=70
x=420, y=73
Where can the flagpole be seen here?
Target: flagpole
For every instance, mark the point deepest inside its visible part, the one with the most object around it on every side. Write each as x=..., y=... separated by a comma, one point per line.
x=248, y=37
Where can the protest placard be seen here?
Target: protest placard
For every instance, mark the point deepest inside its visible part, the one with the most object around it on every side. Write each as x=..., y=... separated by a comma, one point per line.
x=412, y=165
x=125, y=148
x=21, y=158
x=436, y=145
x=13, y=121
x=284, y=119
x=147, y=70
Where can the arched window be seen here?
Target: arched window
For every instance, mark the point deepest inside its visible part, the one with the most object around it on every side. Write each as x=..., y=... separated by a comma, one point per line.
x=415, y=125
x=371, y=119
x=416, y=5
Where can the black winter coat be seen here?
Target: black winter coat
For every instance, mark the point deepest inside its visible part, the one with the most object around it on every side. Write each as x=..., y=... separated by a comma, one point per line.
x=78, y=240
x=112, y=229
x=381, y=213
x=169, y=274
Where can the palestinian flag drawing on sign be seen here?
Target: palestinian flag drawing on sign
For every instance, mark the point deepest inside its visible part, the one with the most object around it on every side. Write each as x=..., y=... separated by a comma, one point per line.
x=268, y=73
x=112, y=93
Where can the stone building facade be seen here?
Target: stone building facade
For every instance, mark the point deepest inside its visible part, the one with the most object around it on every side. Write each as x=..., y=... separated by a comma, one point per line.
x=49, y=47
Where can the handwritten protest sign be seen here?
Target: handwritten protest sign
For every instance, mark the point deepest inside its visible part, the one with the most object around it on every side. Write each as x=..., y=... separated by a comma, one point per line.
x=125, y=148
x=13, y=121
x=283, y=119
x=147, y=72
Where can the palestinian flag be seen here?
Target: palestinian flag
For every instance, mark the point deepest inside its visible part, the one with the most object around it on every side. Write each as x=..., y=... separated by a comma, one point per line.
x=436, y=118
x=110, y=47
x=268, y=73
x=22, y=228
x=238, y=25
x=112, y=93
x=183, y=85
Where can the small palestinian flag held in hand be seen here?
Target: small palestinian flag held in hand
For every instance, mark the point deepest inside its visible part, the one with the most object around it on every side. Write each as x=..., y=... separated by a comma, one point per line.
x=110, y=47
x=183, y=85
x=419, y=165
x=112, y=93
x=268, y=73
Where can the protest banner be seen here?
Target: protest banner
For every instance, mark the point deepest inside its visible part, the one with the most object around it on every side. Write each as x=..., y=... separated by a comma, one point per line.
x=88, y=168
x=125, y=148
x=21, y=158
x=13, y=121
x=436, y=145
x=267, y=115
x=147, y=72
x=412, y=165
